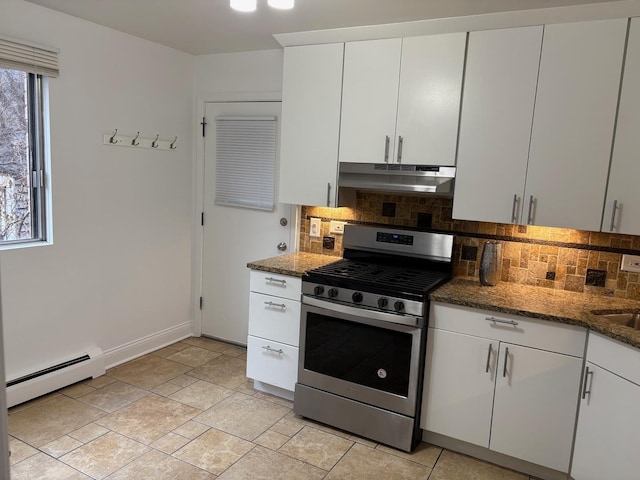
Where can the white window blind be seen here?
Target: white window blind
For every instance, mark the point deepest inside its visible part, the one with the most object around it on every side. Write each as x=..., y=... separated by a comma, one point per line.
x=16, y=55
x=245, y=162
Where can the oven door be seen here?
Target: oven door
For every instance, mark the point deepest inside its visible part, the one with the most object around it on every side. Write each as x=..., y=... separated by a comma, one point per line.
x=361, y=354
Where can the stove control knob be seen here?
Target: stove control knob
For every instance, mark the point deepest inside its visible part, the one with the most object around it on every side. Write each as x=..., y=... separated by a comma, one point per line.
x=356, y=297
x=318, y=290
x=382, y=302
x=399, y=306
x=333, y=292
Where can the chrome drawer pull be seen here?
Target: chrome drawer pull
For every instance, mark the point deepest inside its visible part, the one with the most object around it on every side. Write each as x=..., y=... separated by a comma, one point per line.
x=613, y=216
x=514, y=217
x=586, y=392
x=269, y=349
x=497, y=320
x=271, y=304
x=387, y=141
x=488, y=358
x=271, y=279
x=506, y=357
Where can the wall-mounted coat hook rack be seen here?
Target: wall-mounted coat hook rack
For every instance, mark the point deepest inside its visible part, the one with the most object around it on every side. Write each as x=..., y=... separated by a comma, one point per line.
x=136, y=141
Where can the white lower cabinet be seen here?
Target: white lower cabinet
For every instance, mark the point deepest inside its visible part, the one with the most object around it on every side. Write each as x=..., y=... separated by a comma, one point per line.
x=609, y=421
x=274, y=328
x=506, y=383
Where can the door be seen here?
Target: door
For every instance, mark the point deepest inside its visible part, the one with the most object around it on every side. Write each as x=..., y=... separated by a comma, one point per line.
x=535, y=404
x=234, y=236
x=459, y=380
x=607, y=434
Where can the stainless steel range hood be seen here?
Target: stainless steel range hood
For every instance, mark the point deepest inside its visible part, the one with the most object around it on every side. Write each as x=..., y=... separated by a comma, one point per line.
x=397, y=178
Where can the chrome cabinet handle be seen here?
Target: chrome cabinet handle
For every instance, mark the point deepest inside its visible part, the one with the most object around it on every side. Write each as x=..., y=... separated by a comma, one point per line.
x=400, y=140
x=613, y=216
x=271, y=279
x=271, y=304
x=488, y=358
x=506, y=357
x=269, y=349
x=514, y=218
x=584, y=387
x=328, y=194
x=529, y=217
x=387, y=142
x=497, y=320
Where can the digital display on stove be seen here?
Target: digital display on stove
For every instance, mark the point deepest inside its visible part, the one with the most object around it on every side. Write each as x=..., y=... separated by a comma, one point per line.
x=385, y=237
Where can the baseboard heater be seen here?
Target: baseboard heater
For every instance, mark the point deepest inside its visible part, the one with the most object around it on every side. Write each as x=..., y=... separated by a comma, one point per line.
x=88, y=364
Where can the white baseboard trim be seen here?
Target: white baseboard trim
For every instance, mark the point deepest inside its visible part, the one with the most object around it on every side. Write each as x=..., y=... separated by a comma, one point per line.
x=119, y=355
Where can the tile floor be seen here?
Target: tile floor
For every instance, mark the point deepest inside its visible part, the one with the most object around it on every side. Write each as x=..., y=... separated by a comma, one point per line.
x=187, y=412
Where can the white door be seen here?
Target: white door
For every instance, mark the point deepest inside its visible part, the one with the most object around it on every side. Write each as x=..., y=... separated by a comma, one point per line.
x=234, y=236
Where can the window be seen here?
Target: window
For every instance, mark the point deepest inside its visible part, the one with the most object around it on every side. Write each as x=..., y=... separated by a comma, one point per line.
x=23, y=195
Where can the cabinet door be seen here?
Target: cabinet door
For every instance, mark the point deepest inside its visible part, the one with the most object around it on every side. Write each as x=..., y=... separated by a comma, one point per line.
x=370, y=101
x=625, y=167
x=495, y=123
x=272, y=362
x=311, y=91
x=459, y=380
x=429, y=99
x=608, y=426
x=573, y=124
x=535, y=405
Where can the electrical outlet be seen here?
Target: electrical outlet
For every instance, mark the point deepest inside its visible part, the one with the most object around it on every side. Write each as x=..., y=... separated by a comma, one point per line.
x=630, y=263
x=337, y=227
x=314, y=228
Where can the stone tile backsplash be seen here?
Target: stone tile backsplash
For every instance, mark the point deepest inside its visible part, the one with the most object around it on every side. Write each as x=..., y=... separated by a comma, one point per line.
x=546, y=257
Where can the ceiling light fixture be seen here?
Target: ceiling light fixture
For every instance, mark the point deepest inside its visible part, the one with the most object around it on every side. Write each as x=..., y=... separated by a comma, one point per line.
x=251, y=5
x=244, y=5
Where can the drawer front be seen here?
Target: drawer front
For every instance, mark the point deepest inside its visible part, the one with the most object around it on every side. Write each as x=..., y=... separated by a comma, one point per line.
x=272, y=362
x=615, y=356
x=275, y=318
x=274, y=284
x=529, y=332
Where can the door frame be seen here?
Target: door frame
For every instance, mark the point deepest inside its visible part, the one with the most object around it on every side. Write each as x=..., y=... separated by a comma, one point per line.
x=197, y=236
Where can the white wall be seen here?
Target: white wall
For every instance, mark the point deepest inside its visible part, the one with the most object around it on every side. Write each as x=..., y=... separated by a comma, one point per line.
x=120, y=266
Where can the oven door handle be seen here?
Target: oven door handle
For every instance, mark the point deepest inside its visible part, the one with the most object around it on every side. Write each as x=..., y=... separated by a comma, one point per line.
x=408, y=320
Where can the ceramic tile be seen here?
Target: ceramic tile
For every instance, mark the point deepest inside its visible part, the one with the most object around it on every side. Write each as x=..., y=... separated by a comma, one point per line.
x=166, y=389
x=183, y=380
x=158, y=466
x=149, y=418
x=264, y=464
x=272, y=398
x=103, y=456
x=209, y=344
x=242, y=415
x=61, y=446
x=191, y=429
x=19, y=450
x=88, y=432
x=424, y=453
x=246, y=388
x=113, y=396
x=31, y=403
x=77, y=390
x=170, y=443
x=43, y=467
x=149, y=371
x=214, y=451
x=193, y=356
x=226, y=371
x=455, y=466
x=99, y=382
x=318, y=448
x=272, y=440
x=363, y=441
x=46, y=421
x=290, y=425
x=364, y=463
x=202, y=395
x=169, y=350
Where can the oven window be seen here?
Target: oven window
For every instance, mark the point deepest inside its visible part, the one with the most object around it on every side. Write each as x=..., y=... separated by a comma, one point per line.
x=371, y=356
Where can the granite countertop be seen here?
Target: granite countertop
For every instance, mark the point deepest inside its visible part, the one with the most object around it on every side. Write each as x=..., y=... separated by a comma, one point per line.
x=294, y=264
x=542, y=303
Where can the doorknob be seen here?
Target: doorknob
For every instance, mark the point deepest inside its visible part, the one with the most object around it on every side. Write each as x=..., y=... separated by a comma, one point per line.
x=282, y=246
x=283, y=222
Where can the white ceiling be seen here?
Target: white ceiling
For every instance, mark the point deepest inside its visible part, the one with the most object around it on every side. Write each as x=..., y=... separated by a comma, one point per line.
x=210, y=26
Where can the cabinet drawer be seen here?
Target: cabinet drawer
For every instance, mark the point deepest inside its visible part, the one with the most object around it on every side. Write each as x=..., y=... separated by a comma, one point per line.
x=275, y=284
x=274, y=317
x=615, y=356
x=272, y=362
x=529, y=332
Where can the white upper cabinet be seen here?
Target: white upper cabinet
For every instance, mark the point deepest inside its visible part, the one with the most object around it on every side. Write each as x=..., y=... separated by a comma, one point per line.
x=623, y=191
x=311, y=93
x=401, y=100
x=495, y=125
x=573, y=125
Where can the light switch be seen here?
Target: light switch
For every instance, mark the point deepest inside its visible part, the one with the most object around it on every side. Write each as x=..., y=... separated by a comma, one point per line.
x=337, y=227
x=314, y=229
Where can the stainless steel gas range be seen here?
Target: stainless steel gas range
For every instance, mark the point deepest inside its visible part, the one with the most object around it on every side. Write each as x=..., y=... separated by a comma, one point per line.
x=363, y=333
